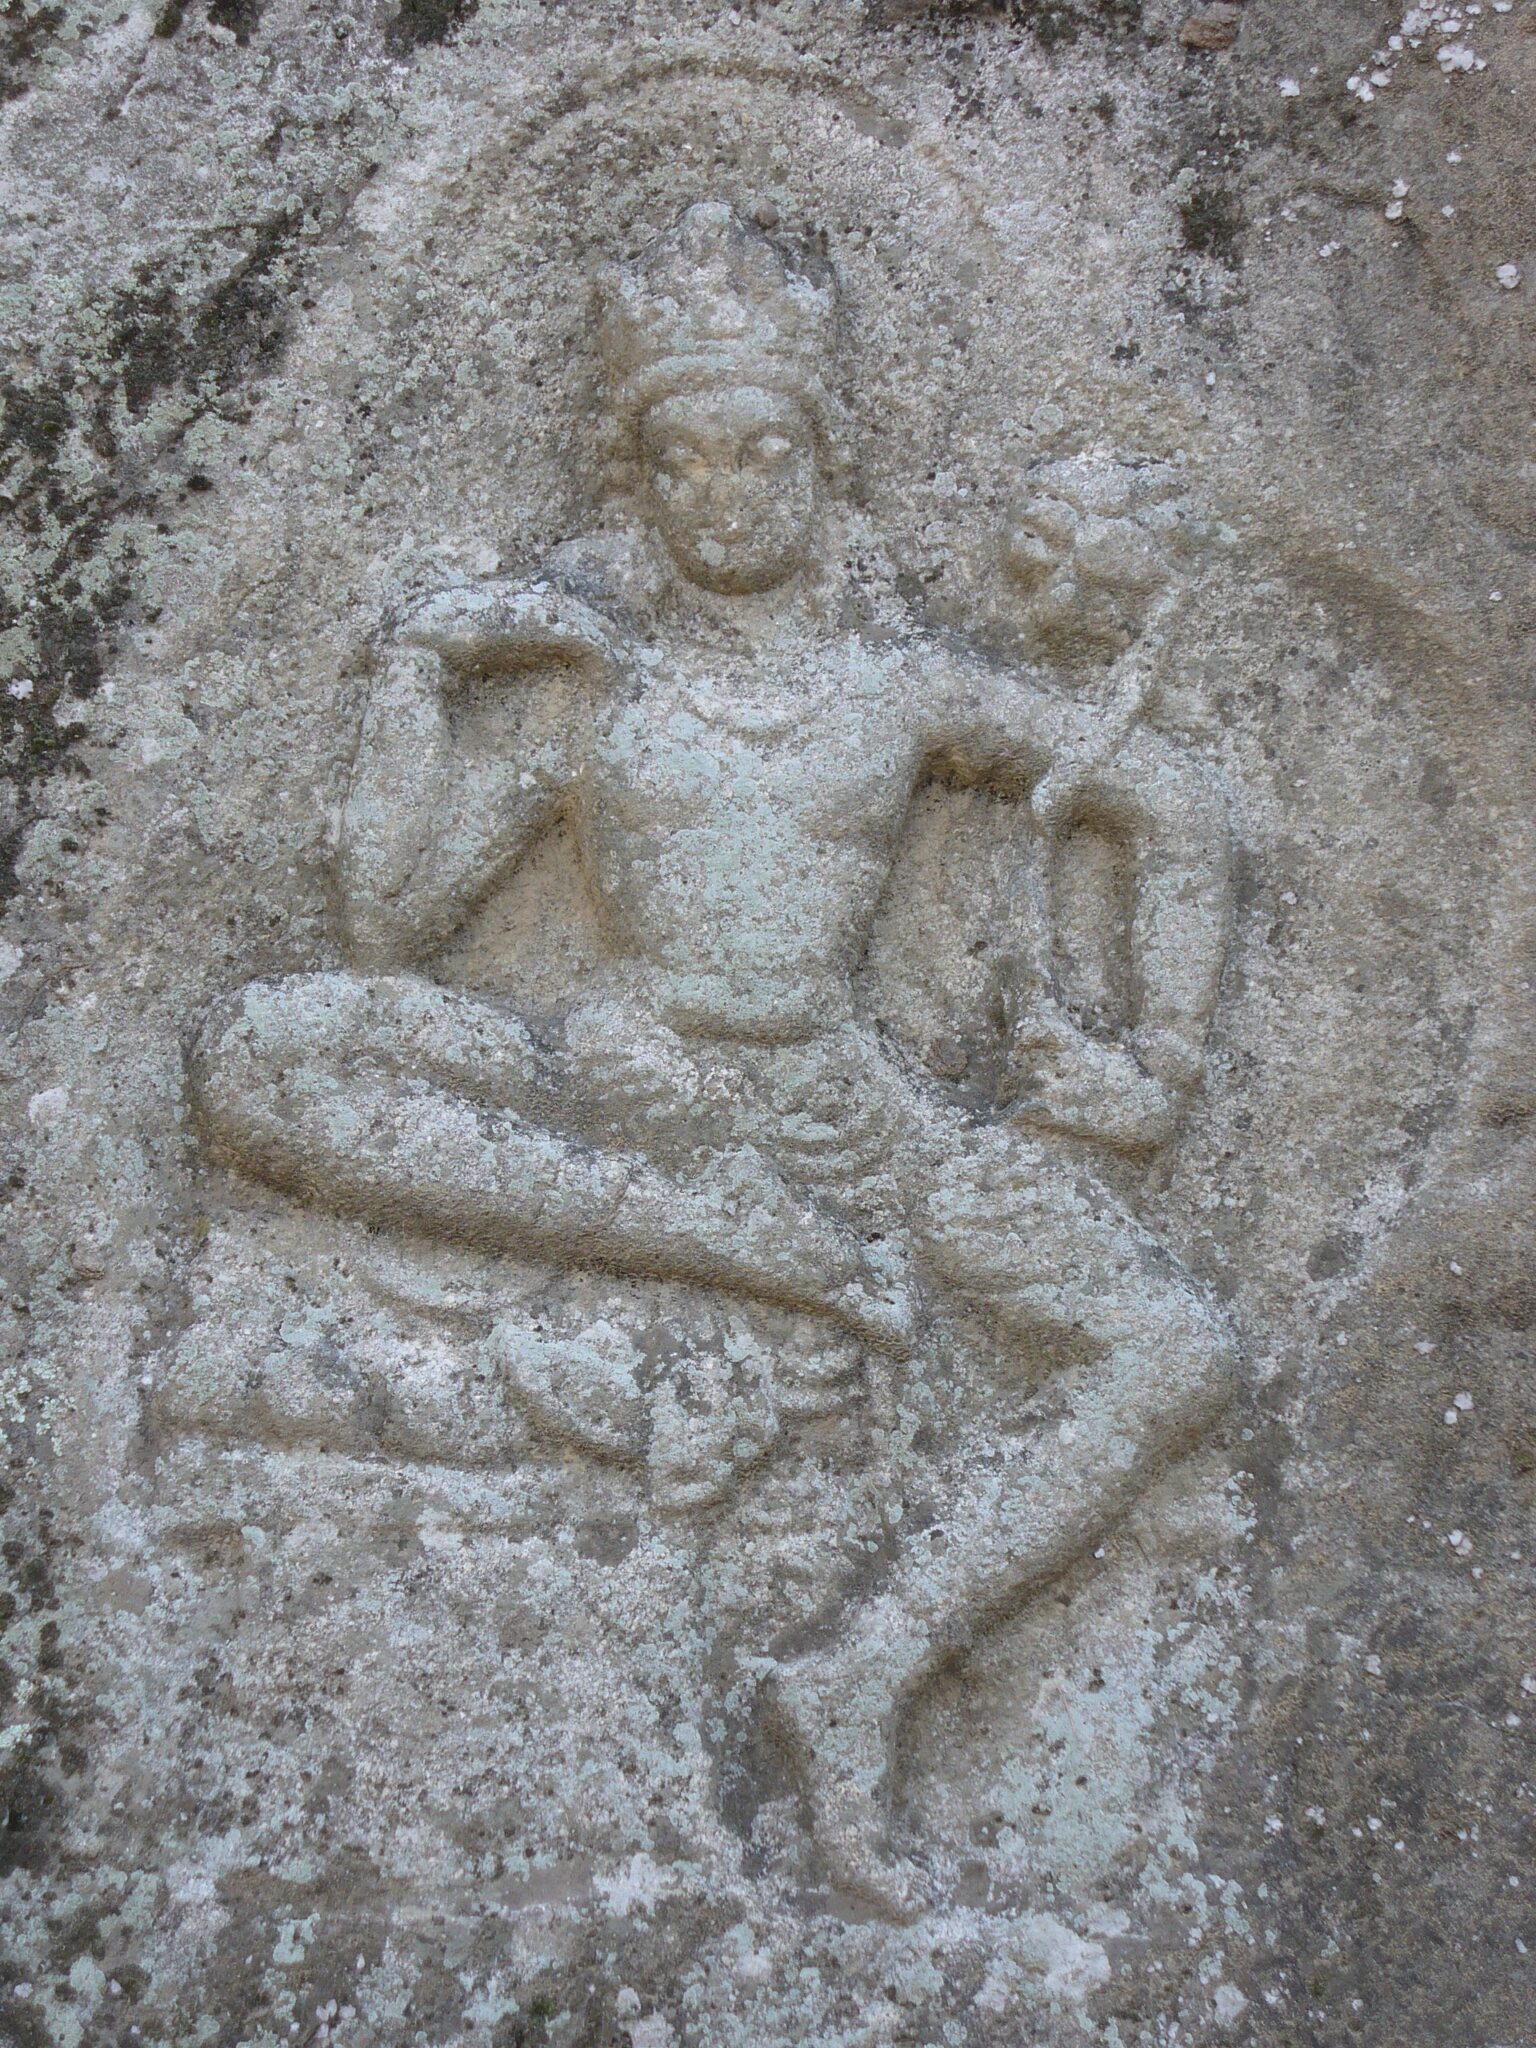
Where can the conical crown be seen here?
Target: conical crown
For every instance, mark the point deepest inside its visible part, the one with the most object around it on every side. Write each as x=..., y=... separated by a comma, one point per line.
x=713, y=301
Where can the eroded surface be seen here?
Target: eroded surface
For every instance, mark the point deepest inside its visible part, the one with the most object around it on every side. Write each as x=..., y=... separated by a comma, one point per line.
x=771, y=979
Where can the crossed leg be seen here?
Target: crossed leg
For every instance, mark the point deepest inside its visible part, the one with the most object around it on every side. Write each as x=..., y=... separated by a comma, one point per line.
x=391, y=1098
x=394, y=1099
x=1048, y=1254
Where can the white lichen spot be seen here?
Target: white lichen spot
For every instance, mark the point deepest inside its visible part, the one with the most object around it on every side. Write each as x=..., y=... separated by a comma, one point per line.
x=1228, y=2005
x=47, y=1108
x=293, y=1941
x=636, y=1886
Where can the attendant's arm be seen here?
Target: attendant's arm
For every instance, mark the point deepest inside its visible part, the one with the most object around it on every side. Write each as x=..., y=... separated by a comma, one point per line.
x=428, y=824
x=995, y=724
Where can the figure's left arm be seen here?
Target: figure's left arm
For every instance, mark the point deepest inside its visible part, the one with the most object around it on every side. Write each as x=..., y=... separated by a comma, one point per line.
x=1172, y=815
x=1101, y=768
x=994, y=723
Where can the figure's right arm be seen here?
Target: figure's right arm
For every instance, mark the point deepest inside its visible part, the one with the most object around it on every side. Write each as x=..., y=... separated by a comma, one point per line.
x=431, y=820
x=425, y=830
x=393, y=797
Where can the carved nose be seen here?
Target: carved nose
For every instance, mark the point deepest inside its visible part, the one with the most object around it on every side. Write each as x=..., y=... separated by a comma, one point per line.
x=1030, y=558
x=724, y=504
x=1116, y=555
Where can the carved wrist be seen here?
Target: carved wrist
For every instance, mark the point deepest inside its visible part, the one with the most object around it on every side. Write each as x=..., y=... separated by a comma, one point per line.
x=1168, y=1056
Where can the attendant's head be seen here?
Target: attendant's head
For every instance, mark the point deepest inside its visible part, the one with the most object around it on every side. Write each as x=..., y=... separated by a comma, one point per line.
x=1094, y=547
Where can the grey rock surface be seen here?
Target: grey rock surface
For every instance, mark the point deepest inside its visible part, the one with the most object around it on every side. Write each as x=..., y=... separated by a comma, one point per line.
x=767, y=979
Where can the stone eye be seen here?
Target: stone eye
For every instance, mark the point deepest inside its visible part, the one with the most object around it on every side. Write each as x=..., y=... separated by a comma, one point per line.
x=1029, y=556
x=1118, y=554
x=768, y=450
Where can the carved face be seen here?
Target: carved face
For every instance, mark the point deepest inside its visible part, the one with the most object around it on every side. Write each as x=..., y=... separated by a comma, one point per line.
x=731, y=483
x=1089, y=578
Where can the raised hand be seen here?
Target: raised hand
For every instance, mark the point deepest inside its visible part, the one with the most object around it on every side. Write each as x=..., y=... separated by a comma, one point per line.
x=501, y=628
x=1061, y=1079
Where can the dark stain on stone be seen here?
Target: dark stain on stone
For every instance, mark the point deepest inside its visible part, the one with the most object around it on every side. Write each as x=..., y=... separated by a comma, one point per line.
x=608, y=1541
x=23, y=31
x=1437, y=785
x=163, y=335
x=426, y=21
x=30, y=1774
x=1334, y=1255
x=1053, y=23
x=232, y=333
x=238, y=16
x=1211, y=220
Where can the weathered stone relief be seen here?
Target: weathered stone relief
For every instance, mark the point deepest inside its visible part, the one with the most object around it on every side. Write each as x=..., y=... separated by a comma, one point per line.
x=773, y=1132
x=736, y=756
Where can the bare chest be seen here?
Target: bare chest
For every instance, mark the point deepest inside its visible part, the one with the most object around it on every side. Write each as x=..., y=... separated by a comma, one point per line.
x=692, y=751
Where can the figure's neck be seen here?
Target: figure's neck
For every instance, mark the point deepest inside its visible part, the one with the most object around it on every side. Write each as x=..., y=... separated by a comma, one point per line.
x=795, y=609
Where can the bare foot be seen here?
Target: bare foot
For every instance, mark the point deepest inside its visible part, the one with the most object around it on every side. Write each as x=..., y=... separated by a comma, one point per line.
x=834, y=1722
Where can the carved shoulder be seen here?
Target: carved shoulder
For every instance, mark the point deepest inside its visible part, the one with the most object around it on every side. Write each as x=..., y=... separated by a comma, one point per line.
x=1150, y=773
x=616, y=572
x=991, y=719
x=506, y=626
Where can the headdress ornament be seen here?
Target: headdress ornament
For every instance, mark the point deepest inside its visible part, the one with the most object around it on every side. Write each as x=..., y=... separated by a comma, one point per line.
x=713, y=301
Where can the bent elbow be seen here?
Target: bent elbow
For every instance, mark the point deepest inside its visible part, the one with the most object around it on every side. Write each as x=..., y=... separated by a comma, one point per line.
x=374, y=904
x=217, y=1069
x=1210, y=1365
x=1175, y=806
x=377, y=936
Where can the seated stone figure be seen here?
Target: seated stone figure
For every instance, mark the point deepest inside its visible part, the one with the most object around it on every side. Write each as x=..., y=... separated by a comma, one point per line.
x=735, y=762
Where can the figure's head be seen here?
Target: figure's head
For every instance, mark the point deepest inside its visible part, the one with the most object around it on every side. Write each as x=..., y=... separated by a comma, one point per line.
x=730, y=480
x=1091, y=551
x=715, y=346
